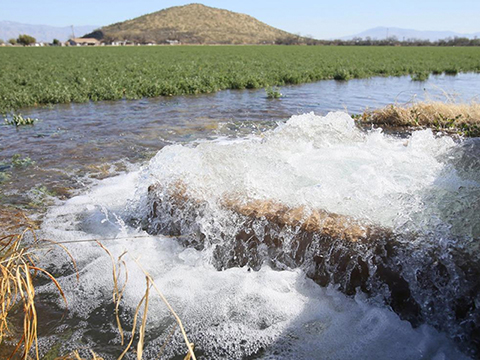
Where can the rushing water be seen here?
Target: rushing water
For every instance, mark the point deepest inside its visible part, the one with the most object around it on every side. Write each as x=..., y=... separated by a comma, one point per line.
x=70, y=141
x=423, y=187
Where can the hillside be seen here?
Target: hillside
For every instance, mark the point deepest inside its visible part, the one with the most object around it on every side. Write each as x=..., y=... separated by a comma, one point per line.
x=193, y=24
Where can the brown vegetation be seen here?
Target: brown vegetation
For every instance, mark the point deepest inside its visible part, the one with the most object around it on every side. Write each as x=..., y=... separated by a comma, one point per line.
x=193, y=24
x=328, y=224
x=319, y=221
x=450, y=117
x=18, y=245
x=17, y=272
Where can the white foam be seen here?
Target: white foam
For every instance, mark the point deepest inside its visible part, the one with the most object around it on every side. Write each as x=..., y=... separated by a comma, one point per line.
x=322, y=162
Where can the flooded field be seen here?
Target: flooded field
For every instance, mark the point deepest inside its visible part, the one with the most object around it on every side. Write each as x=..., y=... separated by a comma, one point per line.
x=167, y=181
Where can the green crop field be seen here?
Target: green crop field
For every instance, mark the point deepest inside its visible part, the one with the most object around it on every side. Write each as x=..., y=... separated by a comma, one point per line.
x=40, y=76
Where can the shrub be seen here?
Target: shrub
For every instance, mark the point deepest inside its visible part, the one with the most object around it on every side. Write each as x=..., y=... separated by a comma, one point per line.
x=26, y=40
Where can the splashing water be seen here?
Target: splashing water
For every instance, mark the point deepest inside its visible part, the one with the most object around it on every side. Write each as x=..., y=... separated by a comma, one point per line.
x=319, y=162
x=419, y=185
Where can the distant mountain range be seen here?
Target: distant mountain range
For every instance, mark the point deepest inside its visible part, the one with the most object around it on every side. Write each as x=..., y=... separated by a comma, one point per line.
x=42, y=33
x=193, y=24
x=380, y=33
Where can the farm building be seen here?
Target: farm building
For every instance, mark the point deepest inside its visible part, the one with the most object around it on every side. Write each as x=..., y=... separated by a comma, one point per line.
x=83, y=42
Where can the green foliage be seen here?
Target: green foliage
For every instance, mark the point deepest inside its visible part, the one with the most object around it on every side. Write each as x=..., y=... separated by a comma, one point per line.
x=56, y=42
x=26, y=40
x=17, y=161
x=43, y=76
x=451, y=70
x=455, y=124
x=273, y=92
x=4, y=176
x=341, y=75
x=470, y=130
x=420, y=76
x=40, y=195
x=19, y=120
x=12, y=41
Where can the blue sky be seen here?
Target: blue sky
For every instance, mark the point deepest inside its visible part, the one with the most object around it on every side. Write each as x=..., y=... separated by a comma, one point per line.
x=322, y=19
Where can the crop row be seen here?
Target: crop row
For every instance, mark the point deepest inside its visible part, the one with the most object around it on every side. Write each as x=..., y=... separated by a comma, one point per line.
x=40, y=76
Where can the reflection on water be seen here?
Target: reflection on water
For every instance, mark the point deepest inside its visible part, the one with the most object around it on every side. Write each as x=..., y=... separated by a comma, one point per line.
x=72, y=140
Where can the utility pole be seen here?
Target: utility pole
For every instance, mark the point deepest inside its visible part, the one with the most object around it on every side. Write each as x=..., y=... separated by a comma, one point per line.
x=387, y=33
x=73, y=33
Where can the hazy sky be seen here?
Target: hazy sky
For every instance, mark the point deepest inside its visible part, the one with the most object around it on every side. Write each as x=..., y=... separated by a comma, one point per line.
x=322, y=19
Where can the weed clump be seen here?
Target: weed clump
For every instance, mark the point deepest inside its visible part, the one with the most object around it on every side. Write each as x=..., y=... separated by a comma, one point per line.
x=273, y=93
x=341, y=75
x=463, y=119
x=420, y=76
x=19, y=120
x=4, y=176
x=452, y=71
x=19, y=162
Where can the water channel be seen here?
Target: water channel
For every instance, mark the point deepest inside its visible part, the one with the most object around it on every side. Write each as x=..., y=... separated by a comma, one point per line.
x=93, y=164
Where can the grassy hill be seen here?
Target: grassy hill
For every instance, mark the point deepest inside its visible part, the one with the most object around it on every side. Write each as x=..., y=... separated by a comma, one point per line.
x=194, y=24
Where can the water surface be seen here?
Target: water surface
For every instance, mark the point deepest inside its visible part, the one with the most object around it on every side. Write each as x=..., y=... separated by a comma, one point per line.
x=73, y=140
x=240, y=140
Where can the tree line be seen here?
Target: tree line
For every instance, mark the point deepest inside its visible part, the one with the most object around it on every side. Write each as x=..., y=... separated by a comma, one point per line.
x=22, y=39
x=27, y=40
x=390, y=41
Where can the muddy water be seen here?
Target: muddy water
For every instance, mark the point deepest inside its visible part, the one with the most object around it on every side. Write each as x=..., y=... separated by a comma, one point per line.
x=239, y=139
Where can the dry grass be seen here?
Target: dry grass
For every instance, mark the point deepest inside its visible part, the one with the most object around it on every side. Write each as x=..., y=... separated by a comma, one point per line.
x=17, y=272
x=331, y=225
x=193, y=24
x=76, y=356
x=450, y=117
x=118, y=290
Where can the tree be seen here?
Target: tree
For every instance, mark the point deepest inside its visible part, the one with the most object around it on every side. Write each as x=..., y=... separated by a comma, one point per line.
x=2, y=42
x=26, y=40
x=12, y=41
x=56, y=42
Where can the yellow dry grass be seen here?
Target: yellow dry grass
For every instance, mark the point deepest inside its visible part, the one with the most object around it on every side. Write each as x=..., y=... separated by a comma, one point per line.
x=76, y=356
x=117, y=267
x=335, y=226
x=17, y=272
x=446, y=116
